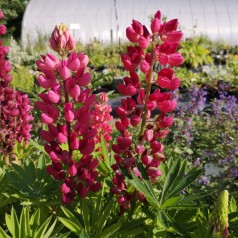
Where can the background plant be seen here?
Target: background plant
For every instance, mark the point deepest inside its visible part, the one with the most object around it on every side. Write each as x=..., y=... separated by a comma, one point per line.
x=209, y=137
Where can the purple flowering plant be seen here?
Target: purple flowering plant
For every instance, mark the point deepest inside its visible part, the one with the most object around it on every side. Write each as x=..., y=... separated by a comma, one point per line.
x=209, y=136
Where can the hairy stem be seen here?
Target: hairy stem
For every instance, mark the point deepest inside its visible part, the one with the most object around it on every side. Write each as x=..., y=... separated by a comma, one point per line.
x=148, y=89
x=68, y=125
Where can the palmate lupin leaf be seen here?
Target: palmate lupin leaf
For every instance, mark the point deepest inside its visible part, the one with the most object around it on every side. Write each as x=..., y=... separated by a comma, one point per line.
x=30, y=226
x=31, y=182
x=96, y=219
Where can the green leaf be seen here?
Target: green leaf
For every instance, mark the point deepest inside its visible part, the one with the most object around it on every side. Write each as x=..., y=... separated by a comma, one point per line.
x=37, y=146
x=129, y=233
x=50, y=230
x=30, y=171
x=130, y=228
x=146, y=179
x=86, y=215
x=65, y=235
x=177, y=226
x=15, y=224
x=110, y=230
x=9, y=223
x=162, y=221
x=183, y=168
x=196, y=196
x=233, y=215
x=72, y=217
x=40, y=233
x=233, y=205
x=132, y=224
x=184, y=182
x=83, y=234
x=24, y=223
x=137, y=183
x=171, y=201
x=3, y=234
x=56, y=230
x=71, y=225
x=233, y=226
x=105, y=153
x=147, y=212
x=170, y=178
x=96, y=211
x=35, y=221
x=104, y=217
x=187, y=207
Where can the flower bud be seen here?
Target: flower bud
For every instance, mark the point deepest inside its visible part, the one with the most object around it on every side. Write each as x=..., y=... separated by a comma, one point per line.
x=84, y=60
x=153, y=172
x=68, y=111
x=74, y=142
x=219, y=217
x=165, y=122
x=82, y=190
x=135, y=120
x=144, y=66
x=131, y=35
x=72, y=169
x=137, y=26
x=175, y=59
x=73, y=62
x=47, y=119
x=95, y=187
x=65, y=73
x=167, y=105
x=53, y=96
x=149, y=135
x=3, y=30
x=128, y=90
x=155, y=25
x=65, y=188
x=61, y=39
x=71, y=43
x=146, y=160
x=171, y=25
x=74, y=91
x=84, y=80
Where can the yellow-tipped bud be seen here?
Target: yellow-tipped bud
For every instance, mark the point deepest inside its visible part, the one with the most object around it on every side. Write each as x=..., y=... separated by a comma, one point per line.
x=61, y=40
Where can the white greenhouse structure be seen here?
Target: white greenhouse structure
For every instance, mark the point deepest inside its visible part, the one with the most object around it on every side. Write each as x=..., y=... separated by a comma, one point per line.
x=106, y=20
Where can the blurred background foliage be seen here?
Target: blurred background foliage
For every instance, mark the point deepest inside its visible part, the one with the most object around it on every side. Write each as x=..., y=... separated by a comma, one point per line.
x=13, y=14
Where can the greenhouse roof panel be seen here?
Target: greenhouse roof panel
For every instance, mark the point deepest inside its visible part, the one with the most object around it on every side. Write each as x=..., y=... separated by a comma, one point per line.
x=107, y=20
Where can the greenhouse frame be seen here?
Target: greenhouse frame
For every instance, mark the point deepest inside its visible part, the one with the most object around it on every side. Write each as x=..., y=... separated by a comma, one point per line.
x=107, y=20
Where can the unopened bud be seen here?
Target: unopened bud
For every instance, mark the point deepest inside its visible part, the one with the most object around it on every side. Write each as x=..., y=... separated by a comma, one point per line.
x=219, y=218
x=61, y=40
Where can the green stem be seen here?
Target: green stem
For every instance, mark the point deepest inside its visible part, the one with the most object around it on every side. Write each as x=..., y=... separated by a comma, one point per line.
x=148, y=89
x=7, y=159
x=68, y=125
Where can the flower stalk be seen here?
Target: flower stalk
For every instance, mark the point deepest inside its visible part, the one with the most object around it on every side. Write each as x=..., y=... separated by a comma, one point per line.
x=148, y=89
x=71, y=113
x=135, y=111
x=15, y=117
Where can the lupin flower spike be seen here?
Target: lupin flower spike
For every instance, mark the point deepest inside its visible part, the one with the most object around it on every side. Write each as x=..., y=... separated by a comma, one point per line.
x=159, y=46
x=15, y=107
x=219, y=217
x=75, y=118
